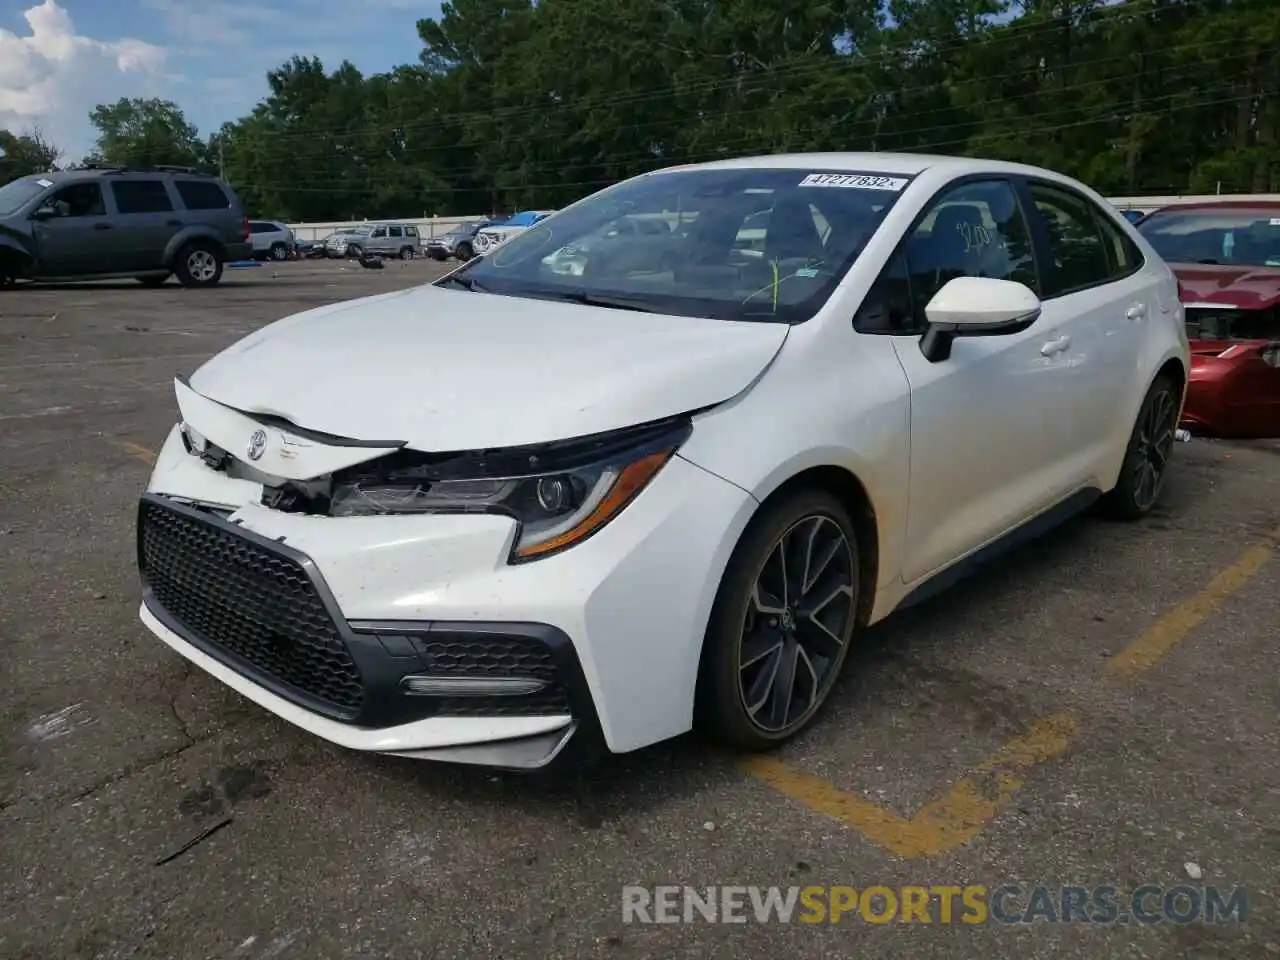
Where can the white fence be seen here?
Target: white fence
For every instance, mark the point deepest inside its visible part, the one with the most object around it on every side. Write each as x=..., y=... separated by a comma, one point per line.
x=429, y=227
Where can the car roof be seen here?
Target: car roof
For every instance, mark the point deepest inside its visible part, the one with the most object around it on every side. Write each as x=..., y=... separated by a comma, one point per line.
x=900, y=164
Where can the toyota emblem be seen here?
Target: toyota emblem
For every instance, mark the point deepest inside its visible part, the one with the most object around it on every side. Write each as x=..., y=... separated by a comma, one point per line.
x=257, y=444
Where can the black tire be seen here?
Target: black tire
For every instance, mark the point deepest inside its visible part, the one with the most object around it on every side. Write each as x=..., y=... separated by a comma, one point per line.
x=806, y=524
x=1146, y=459
x=279, y=252
x=464, y=251
x=153, y=281
x=407, y=253
x=198, y=264
x=355, y=251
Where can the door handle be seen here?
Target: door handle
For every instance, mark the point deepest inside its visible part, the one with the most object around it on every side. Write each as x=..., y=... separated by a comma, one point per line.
x=1136, y=312
x=102, y=226
x=1055, y=346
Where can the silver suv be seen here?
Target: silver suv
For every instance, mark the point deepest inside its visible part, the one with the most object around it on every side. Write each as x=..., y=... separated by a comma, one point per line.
x=377, y=240
x=98, y=223
x=271, y=238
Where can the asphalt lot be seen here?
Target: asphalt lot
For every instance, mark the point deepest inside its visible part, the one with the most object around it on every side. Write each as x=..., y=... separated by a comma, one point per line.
x=1098, y=709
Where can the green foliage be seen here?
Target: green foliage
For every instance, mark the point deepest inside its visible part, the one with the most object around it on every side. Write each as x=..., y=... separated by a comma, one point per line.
x=515, y=104
x=22, y=154
x=138, y=132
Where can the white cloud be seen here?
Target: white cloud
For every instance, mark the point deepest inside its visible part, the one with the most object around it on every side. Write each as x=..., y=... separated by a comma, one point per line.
x=53, y=76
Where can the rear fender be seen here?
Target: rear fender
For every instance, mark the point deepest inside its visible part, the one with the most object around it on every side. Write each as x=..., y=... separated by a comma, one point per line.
x=185, y=236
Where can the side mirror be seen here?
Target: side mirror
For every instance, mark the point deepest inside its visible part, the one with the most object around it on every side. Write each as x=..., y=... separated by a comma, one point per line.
x=976, y=307
x=46, y=212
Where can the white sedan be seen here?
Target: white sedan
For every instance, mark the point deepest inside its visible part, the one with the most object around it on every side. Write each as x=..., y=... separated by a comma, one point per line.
x=515, y=511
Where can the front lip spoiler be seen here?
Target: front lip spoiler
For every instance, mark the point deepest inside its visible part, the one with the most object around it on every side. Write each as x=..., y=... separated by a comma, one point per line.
x=521, y=753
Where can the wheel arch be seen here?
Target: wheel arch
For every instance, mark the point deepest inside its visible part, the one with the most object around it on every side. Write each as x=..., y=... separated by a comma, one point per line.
x=849, y=489
x=183, y=237
x=17, y=260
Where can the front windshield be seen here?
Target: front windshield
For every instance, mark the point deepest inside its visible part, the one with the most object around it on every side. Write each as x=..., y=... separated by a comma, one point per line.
x=1229, y=236
x=736, y=244
x=15, y=194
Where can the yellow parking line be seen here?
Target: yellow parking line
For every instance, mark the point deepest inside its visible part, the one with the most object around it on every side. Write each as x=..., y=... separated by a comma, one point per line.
x=970, y=804
x=951, y=820
x=1167, y=632
x=135, y=450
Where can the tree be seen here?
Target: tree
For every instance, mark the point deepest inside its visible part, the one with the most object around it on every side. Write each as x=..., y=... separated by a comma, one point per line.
x=517, y=104
x=145, y=132
x=22, y=154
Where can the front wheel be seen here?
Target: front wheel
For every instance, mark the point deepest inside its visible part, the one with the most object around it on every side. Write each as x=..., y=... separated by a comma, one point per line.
x=355, y=251
x=406, y=253
x=464, y=251
x=1146, y=459
x=279, y=251
x=199, y=264
x=782, y=622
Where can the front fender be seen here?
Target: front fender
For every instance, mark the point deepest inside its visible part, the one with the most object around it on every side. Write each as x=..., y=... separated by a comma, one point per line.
x=17, y=241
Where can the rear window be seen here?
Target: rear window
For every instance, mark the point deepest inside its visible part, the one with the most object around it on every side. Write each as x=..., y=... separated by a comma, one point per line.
x=202, y=195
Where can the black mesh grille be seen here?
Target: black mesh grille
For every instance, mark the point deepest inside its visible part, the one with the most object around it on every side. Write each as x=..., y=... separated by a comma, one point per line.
x=241, y=598
x=496, y=657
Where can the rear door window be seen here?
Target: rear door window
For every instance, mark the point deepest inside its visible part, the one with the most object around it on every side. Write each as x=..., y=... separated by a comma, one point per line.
x=1078, y=256
x=141, y=196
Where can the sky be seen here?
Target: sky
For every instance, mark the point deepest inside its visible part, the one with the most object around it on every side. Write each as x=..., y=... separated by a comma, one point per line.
x=58, y=60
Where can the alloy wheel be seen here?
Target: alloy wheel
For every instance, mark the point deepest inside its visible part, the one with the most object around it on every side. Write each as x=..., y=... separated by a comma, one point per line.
x=1155, y=444
x=202, y=265
x=797, y=622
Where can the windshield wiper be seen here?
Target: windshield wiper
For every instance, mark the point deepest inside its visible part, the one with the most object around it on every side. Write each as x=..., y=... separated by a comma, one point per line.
x=466, y=283
x=590, y=300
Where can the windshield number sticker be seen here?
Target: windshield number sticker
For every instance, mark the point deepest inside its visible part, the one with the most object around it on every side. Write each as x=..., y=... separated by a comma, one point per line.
x=854, y=181
x=45, y=183
x=1275, y=221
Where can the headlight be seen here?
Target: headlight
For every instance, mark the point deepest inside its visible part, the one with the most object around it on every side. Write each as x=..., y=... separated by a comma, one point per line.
x=559, y=494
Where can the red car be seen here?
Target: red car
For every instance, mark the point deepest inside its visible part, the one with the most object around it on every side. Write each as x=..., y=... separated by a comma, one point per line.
x=1227, y=258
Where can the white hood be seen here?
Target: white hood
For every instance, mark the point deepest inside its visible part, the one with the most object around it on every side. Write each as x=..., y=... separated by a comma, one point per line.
x=445, y=370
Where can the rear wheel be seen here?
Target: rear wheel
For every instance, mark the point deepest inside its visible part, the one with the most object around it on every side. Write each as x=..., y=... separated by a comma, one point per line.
x=1146, y=460
x=782, y=622
x=199, y=264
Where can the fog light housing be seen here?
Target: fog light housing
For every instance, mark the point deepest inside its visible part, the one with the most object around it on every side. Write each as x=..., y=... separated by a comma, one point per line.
x=436, y=686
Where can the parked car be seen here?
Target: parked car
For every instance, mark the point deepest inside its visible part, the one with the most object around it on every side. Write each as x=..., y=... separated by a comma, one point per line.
x=513, y=513
x=489, y=237
x=1226, y=255
x=458, y=242
x=99, y=223
x=1133, y=216
x=271, y=239
x=335, y=244
x=378, y=240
